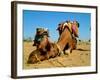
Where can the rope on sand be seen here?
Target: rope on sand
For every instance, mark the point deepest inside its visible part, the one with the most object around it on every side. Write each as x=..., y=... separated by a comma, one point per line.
x=60, y=63
x=51, y=63
x=37, y=58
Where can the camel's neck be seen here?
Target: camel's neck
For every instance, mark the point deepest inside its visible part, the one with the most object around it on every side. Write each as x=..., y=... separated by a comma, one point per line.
x=64, y=38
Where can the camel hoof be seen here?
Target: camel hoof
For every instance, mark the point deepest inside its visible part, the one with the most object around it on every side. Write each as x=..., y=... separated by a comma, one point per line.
x=67, y=52
x=62, y=53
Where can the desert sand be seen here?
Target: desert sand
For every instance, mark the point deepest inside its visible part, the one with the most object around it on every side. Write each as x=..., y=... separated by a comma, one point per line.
x=79, y=57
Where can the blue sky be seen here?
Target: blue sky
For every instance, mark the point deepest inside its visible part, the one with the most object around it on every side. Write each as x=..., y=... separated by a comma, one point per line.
x=47, y=19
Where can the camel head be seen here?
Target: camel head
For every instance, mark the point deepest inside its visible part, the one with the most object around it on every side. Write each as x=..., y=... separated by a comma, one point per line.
x=72, y=26
x=40, y=33
x=41, y=40
x=60, y=28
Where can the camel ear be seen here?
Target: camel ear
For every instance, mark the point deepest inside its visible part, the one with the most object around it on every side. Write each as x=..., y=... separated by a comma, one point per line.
x=58, y=27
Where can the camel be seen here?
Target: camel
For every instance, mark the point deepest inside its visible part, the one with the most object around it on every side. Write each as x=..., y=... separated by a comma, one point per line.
x=42, y=43
x=73, y=28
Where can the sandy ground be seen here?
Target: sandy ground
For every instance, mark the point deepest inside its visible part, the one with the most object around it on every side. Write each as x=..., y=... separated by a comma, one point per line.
x=79, y=57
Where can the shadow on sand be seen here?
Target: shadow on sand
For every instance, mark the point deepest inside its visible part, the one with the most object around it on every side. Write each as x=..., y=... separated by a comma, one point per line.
x=82, y=49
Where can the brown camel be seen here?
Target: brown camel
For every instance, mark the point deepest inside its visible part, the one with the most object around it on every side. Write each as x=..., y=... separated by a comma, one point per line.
x=73, y=28
x=42, y=43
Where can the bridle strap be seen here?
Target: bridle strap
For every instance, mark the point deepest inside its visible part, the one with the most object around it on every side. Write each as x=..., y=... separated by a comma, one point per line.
x=69, y=31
